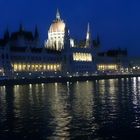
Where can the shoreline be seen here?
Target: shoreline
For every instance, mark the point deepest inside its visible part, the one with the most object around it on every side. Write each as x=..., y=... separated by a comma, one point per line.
x=7, y=82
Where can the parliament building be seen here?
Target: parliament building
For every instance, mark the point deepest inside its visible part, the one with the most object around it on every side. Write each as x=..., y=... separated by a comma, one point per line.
x=22, y=56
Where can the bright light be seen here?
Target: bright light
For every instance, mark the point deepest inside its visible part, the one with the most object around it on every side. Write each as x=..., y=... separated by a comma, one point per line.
x=36, y=67
x=82, y=57
x=103, y=67
x=56, y=35
x=72, y=42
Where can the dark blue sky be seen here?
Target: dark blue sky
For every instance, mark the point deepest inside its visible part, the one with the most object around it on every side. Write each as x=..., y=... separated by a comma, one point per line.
x=116, y=21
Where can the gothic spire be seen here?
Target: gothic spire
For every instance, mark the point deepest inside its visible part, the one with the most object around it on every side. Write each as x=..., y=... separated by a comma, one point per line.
x=58, y=15
x=88, y=31
x=88, y=36
x=88, y=27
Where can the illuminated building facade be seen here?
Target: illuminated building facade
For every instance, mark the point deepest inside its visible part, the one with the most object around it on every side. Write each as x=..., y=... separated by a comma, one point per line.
x=116, y=61
x=56, y=34
x=22, y=56
x=104, y=67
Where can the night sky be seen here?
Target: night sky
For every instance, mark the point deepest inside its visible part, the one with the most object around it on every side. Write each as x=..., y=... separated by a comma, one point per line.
x=116, y=21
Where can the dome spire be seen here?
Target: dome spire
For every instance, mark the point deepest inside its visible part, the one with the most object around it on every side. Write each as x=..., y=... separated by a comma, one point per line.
x=58, y=15
x=88, y=31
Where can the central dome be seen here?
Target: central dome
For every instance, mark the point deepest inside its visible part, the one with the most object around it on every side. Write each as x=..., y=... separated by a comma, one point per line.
x=57, y=26
x=56, y=34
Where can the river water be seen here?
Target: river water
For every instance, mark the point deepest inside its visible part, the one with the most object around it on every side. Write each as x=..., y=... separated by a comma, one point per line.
x=90, y=110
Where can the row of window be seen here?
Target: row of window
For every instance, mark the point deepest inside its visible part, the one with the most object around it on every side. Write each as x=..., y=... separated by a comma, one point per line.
x=36, y=67
x=102, y=67
x=82, y=57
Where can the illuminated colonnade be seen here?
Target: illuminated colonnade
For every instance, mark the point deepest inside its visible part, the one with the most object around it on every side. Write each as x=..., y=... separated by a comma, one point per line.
x=35, y=67
x=82, y=57
x=55, y=41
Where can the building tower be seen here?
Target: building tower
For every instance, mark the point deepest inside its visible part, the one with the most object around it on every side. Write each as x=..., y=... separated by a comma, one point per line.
x=56, y=34
x=88, y=37
x=58, y=15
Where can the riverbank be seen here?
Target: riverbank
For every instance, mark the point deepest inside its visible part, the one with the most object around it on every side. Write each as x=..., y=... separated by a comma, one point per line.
x=63, y=79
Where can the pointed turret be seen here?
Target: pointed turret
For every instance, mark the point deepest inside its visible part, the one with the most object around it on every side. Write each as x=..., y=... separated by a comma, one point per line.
x=88, y=36
x=58, y=15
x=36, y=34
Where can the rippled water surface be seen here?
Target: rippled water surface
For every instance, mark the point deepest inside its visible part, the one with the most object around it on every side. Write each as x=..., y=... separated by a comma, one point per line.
x=98, y=110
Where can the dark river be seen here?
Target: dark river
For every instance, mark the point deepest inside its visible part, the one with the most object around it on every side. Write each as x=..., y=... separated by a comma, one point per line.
x=98, y=110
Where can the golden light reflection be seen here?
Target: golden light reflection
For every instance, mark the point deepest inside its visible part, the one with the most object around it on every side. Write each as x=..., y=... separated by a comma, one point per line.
x=101, y=85
x=112, y=85
x=83, y=99
x=136, y=101
x=57, y=105
x=2, y=95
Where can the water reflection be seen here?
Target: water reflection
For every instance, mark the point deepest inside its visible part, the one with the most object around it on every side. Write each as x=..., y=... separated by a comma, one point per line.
x=136, y=101
x=82, y=108
x=102, y=109
x=82, y=99
x=57, y=103
x=2, y=102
